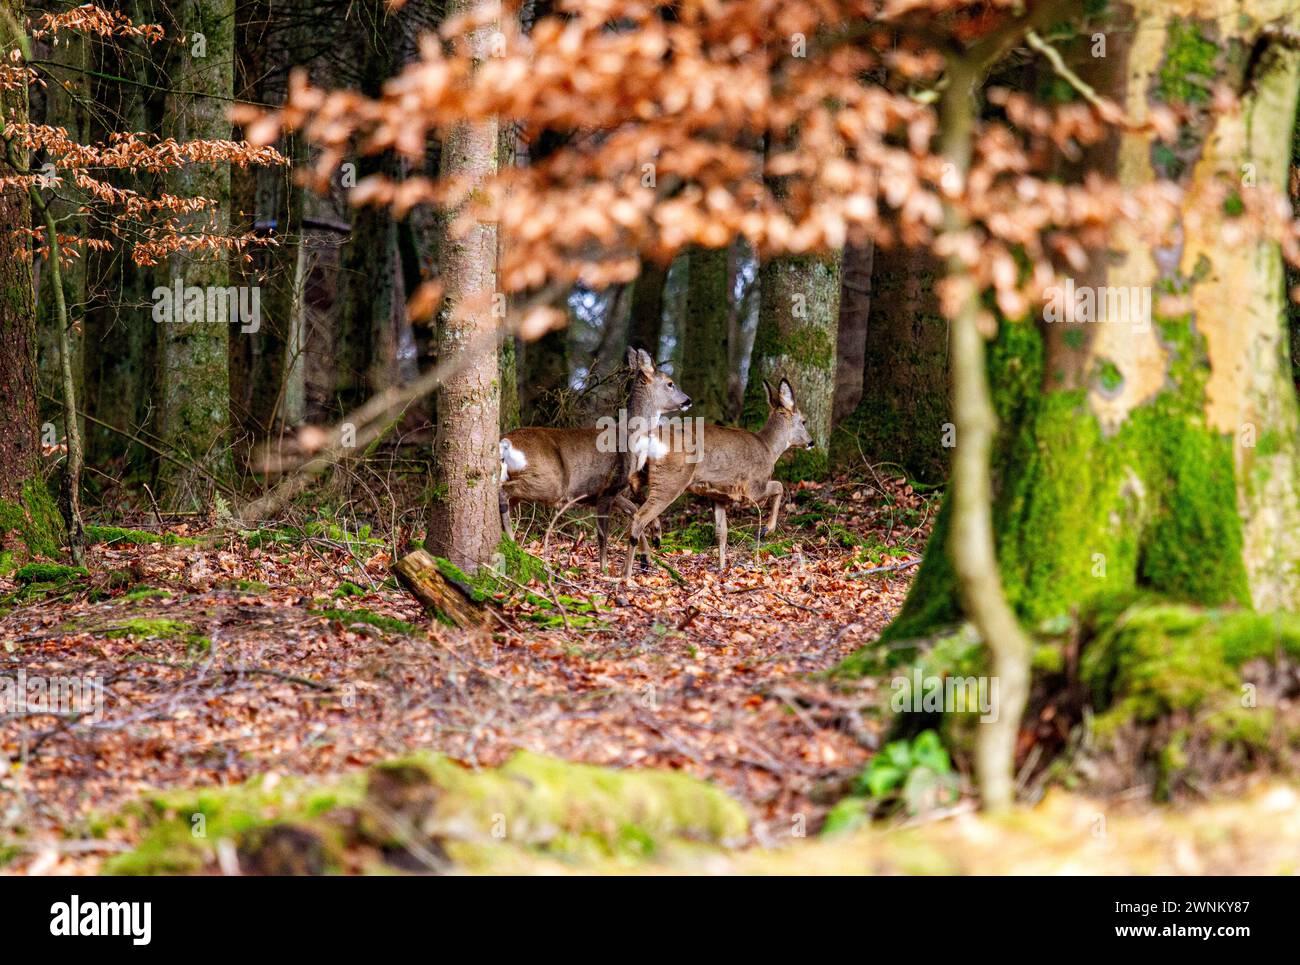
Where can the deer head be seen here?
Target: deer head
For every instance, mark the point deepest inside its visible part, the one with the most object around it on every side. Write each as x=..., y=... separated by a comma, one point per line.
x=789, y=428
x=653, y=392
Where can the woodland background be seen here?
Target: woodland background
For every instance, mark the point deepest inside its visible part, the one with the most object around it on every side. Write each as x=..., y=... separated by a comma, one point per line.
x=1101, y=520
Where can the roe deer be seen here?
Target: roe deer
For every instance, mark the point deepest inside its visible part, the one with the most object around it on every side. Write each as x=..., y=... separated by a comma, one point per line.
x=557, y=467
x=734, y=466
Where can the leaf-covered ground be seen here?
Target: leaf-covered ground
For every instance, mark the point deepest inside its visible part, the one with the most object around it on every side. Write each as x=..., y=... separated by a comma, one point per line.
x=226, y=655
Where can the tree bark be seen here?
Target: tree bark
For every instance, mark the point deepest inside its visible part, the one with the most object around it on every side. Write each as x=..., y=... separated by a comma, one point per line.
x=856, y=268
x=799, y=305
x=444, y=597
x=1154, y=451
x=30, y=525
x=645, y=326
x=901, y=414
x=464, y=518
x=194, y=370
x=703, y=333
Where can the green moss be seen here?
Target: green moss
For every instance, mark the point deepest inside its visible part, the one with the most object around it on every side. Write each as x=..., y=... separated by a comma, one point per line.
x=520, y=565
x=557, y=806
x=1109, y=377
x=181, y=829
x=54, y=573
x=245, y=586
x=1082, y=514
x=1194, y=551
x=429, y=807
x=115, y=534
x=160, y=628
x=378, y=620
x=31, y=525
x=1190, y=64
x=147, y=593
x=1168, y=677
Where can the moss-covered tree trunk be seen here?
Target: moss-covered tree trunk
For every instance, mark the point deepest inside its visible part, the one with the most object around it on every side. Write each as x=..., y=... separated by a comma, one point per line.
x=902, y=413
x=193, y=375
x=1156, y=450
x=799, y=307
x=464, y=518
x=30, y=524
x=703, y=334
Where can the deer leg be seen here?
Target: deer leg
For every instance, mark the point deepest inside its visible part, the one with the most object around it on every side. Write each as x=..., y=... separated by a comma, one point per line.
x=602, y=532
x=656, y=527
x=720, y=530
x=773, y=491
x=625, y=505
x=503, y=505
x=648, y=512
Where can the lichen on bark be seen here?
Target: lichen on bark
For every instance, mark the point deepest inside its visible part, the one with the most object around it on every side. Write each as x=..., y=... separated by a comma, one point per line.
x=799, y=306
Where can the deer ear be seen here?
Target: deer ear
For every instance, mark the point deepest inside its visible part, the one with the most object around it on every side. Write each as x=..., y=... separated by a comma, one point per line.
x=645, y=363
x=771, y=394
x=786, y=396
x=632, y=361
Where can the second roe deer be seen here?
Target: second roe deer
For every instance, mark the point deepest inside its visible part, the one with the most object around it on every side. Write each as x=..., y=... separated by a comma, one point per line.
x=734, y=466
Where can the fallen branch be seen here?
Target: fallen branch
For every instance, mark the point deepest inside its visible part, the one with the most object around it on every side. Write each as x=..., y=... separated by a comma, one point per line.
x=442, y=596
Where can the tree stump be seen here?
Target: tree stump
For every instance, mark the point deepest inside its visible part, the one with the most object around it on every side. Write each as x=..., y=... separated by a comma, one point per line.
x=445, y=597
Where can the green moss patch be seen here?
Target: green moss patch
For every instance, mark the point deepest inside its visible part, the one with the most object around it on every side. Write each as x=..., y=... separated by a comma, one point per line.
x=1186, y=696
x=30, y=525
x=370, y=618
x=426, y=812
x=54, y=573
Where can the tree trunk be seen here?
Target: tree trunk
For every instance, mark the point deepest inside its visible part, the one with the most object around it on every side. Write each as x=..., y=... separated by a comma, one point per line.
x=703, y=334
x=30, y=524
x=464, y=518
x=194, y=371
x=645, y=325
x=64, y=107
x=799, y=305
x=1158, y=451
x=902, y=411
x=366, y=301
x=851, y=337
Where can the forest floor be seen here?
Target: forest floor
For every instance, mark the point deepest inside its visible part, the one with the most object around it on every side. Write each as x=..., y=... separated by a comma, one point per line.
x=290, y=651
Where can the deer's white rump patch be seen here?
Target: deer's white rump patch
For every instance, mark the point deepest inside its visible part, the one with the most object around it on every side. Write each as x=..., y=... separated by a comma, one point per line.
x=512, y=459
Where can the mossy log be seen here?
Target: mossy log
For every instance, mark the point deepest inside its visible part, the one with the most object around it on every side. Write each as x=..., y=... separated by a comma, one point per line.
x=444, y=596
x=426, y=812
